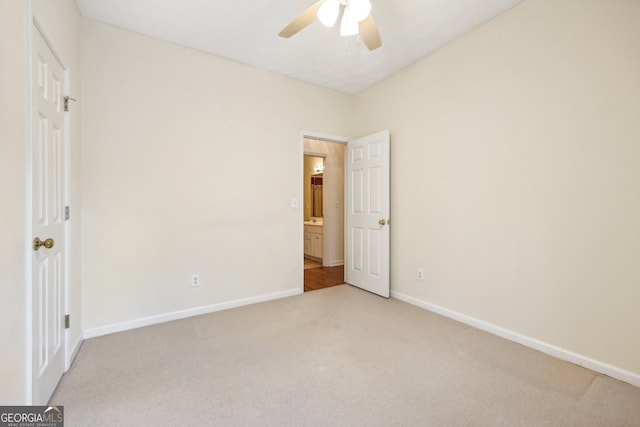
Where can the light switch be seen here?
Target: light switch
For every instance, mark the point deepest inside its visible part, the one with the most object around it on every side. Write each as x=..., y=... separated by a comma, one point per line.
x=294, y=203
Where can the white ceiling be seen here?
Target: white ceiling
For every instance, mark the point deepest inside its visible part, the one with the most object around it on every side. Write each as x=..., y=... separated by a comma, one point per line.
x=247, y=31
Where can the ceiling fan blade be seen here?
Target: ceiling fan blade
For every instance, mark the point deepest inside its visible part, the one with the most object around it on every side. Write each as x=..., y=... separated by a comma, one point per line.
x=369, y=33
x=304, y=19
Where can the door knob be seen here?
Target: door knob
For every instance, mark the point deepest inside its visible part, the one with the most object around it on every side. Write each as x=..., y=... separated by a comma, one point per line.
x=37, y=243
x=382, y=222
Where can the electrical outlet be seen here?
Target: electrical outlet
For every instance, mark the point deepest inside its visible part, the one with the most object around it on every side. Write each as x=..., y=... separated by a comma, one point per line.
x=195, y=280
x=420, y=274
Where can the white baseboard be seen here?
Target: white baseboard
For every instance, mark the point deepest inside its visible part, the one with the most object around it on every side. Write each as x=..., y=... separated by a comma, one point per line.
x=560, y=353
x=335, y=263
x=181, y=314
x=74, y=350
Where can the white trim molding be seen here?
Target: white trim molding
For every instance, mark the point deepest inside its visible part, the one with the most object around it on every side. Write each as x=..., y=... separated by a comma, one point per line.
x=182, y=314
x=323, y=137
x=335, y=263
x=73, y=351
x=560, y=353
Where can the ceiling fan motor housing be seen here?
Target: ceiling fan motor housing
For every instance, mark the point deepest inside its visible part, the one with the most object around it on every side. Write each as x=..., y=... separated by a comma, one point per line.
x=355, y=11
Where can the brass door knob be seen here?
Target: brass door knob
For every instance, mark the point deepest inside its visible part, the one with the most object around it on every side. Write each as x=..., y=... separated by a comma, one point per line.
x=382, y=222
x=37, y=243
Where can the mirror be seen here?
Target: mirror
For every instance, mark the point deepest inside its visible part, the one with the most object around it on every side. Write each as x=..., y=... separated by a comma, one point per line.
x=316, y=195
x=313, y=190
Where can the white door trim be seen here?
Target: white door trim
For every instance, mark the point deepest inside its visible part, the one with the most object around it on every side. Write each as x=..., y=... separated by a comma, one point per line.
x=28, y=264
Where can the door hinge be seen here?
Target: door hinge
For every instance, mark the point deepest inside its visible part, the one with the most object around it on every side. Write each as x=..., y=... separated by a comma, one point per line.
x=66, y=213
x=66, y=321
x=66, y=102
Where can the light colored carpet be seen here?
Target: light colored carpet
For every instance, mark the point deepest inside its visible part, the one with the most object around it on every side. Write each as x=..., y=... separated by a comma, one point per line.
x=335, y=357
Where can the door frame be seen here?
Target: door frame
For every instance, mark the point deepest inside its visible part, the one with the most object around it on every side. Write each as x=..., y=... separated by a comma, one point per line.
x=31, y=24
x=319, y=137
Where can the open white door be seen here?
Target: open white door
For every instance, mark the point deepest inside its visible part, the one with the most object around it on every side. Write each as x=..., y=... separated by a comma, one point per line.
x=368, y=213
x=48, y=175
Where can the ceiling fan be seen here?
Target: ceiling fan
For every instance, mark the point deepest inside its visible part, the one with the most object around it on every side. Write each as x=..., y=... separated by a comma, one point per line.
x=356, y=19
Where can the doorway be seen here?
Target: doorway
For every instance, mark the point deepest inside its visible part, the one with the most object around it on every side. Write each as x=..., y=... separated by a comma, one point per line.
x=323, y=212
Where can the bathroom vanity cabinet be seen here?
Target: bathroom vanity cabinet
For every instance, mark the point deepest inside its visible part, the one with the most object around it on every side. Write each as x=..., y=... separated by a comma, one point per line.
x=313, y=241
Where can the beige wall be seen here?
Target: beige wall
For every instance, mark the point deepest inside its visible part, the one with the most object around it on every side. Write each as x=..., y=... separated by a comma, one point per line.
x=515, y=178
x=59, y=19
x=13, y=155
x=189, y=164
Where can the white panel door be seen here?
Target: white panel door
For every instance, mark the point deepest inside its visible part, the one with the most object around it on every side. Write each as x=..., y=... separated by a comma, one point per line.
x=48, y=183
x=368, y=213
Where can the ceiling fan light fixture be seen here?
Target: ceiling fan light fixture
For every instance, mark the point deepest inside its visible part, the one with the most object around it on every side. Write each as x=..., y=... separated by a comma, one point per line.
x=356, y=20
x=360, y=9
x=328, y=12
x=348, y=25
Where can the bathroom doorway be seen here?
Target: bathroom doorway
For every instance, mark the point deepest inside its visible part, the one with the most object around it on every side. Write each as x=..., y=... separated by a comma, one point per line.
x=323, y=212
